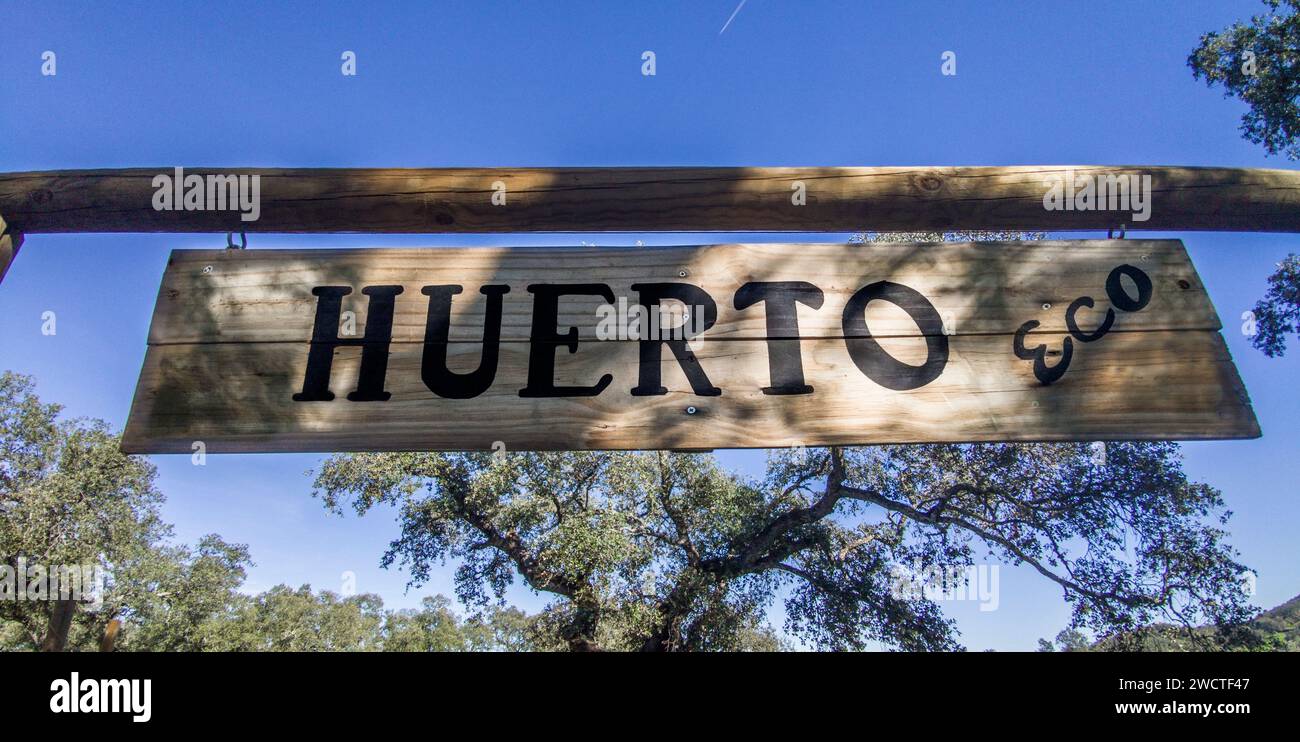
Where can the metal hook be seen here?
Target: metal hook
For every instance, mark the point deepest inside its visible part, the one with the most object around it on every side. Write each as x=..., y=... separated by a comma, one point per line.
x=230, y=241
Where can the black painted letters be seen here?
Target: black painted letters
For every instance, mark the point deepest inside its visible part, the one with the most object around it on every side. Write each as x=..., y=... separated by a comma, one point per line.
x=872, y=360
x=544, y=340
x=433, y=365
x=784, y=358
x=374, y=346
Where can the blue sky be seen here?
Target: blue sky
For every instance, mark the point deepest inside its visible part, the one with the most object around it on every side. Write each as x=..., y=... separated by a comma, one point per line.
x=555, y=84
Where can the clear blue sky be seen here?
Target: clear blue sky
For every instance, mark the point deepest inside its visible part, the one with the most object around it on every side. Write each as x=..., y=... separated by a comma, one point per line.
x=559, y=83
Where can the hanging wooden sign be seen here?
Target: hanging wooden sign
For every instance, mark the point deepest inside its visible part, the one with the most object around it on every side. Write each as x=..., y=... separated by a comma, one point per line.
x=723, y=346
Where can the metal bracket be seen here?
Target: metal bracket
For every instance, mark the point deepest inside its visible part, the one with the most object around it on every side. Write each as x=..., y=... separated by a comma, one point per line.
x=230, y=241
x=1110, y=233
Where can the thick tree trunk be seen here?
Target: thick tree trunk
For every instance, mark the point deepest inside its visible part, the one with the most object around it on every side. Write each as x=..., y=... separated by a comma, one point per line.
x=672, y=611
x=582, y=632
x=56, y=636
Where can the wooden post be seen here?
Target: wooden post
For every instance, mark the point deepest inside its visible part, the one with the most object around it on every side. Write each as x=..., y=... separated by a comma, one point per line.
x=717, y=199
x=9, y=244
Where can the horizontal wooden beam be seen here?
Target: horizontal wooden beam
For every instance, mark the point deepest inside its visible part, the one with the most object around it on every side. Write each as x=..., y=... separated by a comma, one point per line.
x=736, y=199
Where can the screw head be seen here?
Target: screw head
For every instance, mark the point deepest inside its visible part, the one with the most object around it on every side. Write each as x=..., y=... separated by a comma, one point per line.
x=1047, y=306
x=207, y=269
x=681, y=274
x=691, y=410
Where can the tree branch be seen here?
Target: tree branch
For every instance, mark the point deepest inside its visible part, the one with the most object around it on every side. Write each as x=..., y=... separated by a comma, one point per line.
x=935, y=519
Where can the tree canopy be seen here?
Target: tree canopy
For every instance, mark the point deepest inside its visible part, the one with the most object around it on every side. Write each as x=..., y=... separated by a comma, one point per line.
x=68, y=496
x=1278, y=313
x=1257, y=62
x=668, y=551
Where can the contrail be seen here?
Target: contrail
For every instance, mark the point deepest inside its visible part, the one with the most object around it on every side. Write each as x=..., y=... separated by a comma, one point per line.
x=733, y=16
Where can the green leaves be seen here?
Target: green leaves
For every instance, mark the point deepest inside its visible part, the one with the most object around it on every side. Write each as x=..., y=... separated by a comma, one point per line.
x=1278, y=313
x=70, y=497
x=660, y=550
x=1258, y=63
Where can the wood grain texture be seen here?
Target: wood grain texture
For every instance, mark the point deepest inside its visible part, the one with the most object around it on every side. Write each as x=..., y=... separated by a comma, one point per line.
x=9, y=244
x=735, y=199
x=987, y=287
x=229, y=349
x=238, y=398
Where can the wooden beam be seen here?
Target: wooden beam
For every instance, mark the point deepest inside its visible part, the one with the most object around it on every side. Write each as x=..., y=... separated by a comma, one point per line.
x=10, y=241
x=758, y=199
x=945, y=357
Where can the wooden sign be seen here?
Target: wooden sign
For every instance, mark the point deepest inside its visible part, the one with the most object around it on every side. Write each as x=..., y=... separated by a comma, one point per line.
x=763, y=345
